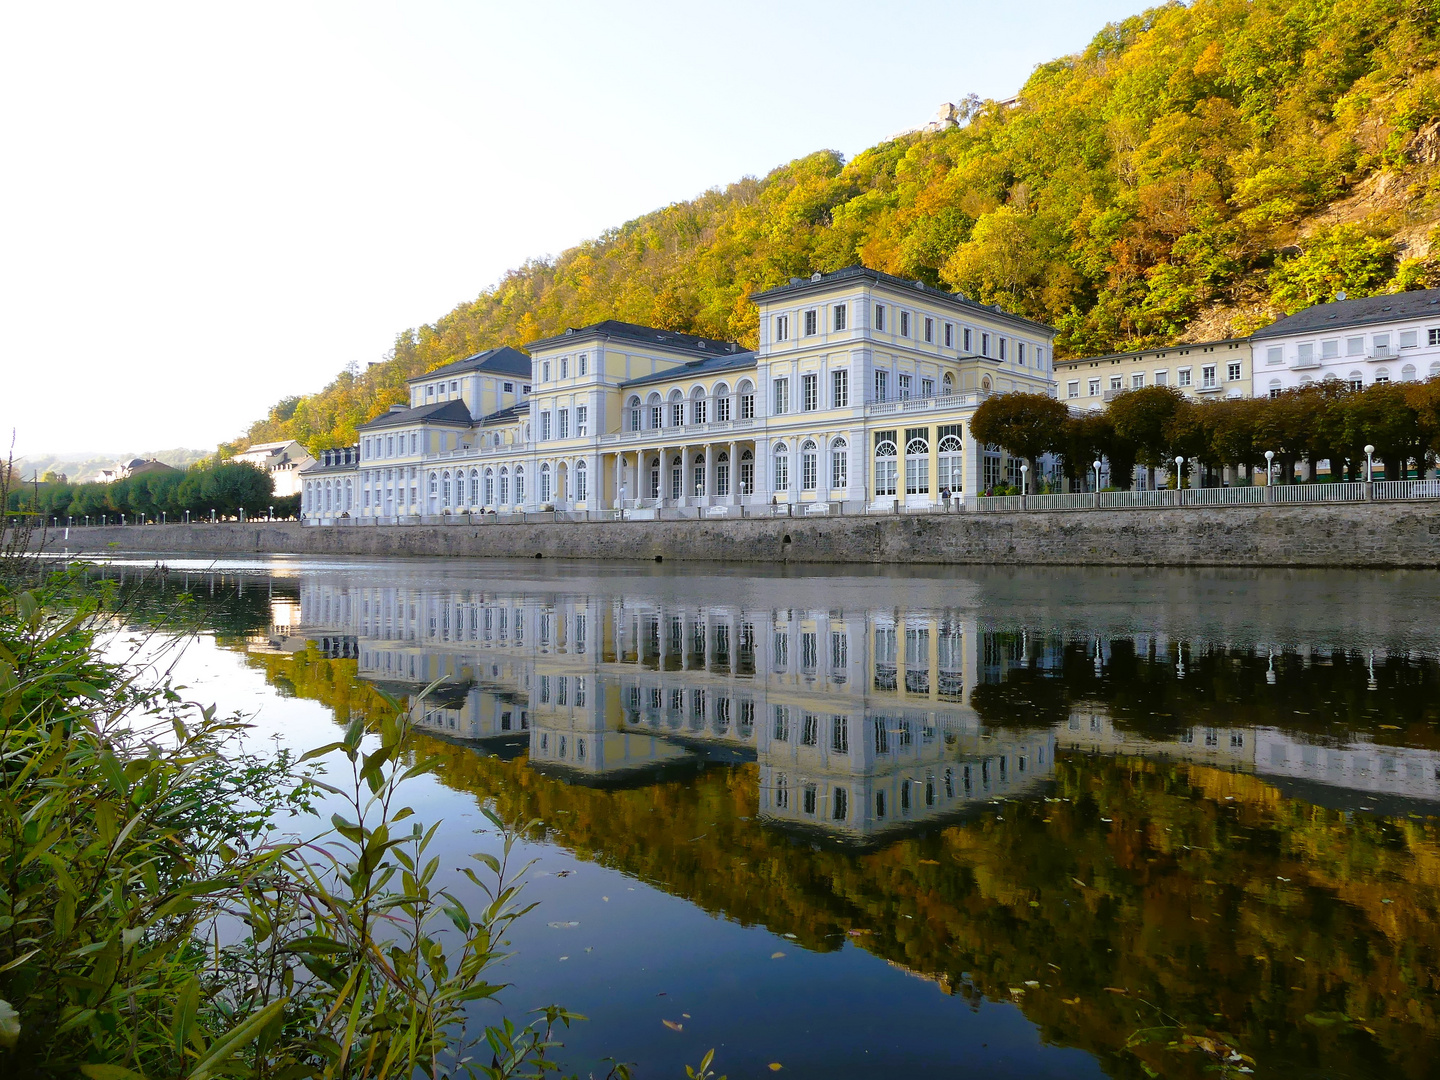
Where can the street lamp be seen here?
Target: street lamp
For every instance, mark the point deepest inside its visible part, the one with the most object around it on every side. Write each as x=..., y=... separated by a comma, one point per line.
x=1024, y=476
x=1096, y=466
x=1179, y=472
x=1269, y=463
x=1369, y=464
x=272, y=513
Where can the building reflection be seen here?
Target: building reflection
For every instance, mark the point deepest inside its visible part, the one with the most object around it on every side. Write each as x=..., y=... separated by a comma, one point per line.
x=863, y=723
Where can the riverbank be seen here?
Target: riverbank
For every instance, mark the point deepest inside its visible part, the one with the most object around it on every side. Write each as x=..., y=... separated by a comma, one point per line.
x=1385, y=535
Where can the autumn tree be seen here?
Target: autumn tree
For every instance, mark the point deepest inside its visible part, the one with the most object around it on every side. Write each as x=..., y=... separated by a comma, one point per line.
x=1142, y=418
x=1024, y=425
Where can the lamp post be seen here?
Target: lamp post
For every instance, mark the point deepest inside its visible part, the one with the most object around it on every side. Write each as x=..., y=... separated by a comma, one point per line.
x=272, y=513
x=1096, y=466
x=1179, y=472
x=1024, y=480
x=1369, y=463
x=212, y=515
x=1269, y=465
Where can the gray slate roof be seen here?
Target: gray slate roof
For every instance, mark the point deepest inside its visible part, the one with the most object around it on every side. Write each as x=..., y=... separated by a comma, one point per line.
x=695, y=368
x=1391, y=307
x=501, y=361
x=645, y=335
x=800, y=286
x=507, y=414
x=453, y=412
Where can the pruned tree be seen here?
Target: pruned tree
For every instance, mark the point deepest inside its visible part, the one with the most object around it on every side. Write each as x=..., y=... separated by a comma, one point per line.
x=1024, y=425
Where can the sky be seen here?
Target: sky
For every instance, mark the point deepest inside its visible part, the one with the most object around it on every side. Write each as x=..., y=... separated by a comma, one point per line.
x=206, y=207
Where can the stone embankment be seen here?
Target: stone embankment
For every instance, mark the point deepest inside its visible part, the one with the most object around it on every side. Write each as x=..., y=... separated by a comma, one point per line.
x=1360, y=535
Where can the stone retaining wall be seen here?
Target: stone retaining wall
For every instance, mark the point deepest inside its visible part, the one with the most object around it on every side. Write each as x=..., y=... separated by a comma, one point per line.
x=1371, y=534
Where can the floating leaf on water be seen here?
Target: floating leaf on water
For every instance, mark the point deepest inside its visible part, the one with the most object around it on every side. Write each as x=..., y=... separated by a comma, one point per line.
x=563, y=925
x=1070, y=1001
x=685, y=1015
x=776, y=955
x=1032, y=983
x=673, y=1025
x=775, y=1066
x=929, y=862
x=605, y=898
x=790, y=936
x=1034, y=903
x=564, y=873
x=564, y=958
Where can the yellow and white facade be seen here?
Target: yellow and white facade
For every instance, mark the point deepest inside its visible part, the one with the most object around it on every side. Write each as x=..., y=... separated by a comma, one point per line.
x=858, y=398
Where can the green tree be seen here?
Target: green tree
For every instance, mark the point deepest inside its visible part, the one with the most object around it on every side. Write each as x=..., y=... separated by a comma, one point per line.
x=1143, y=418
x=1339, y=259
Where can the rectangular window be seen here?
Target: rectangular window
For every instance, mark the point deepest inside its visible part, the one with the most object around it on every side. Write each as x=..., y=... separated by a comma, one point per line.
x=507, y=388
x=545, y=425
x=545, y=371
x=677, y=414
x=1329, y=350
x=811, y=323
x=929, y=330
x=584, y=363
x=1355, y=346
x=839, y=467
x=984, y=344
x=809, y=481
x=1207, y=377
x=1435, y=337
x=722, y=408
x=1275, y=354
x=1094, y=387
x=1002, y=348
x=880, y=318
x=809, y=736
x=882, y=386
x=927, y=387
x=1305, y=352
x=1409, y=339
x=747, y=406
x=1232, y=372
x=840, y=735
x=904, y=387
x=949, y=335
x=840, y=389
x=840, y=314
x=1072, y=388
x=810, y=392
x=697, y=411
x=1137, y=381
x=1162, y=378
x=782, y=397
x=564, y=367
x=969, y=338
x=582, y=416
x=1116, y=382
x=1184, y=379
x=564, y=423
x=904, y=324
x=1382, y=345
x=415, y=443
x=782, y=472
x=454, y=386
x=1020, y=352
x=657, y=416
x=782, y=327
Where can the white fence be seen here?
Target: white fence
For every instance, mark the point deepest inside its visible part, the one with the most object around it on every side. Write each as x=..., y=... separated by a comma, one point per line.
x=1349, y=491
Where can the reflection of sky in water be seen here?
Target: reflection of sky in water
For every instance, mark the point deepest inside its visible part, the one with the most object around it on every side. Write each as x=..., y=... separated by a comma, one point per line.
x=1215, y=790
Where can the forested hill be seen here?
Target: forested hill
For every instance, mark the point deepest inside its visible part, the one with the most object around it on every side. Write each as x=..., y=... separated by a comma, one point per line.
x=1195, y=171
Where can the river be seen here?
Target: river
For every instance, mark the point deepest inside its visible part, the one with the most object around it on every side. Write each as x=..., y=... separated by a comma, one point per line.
x=876, y=822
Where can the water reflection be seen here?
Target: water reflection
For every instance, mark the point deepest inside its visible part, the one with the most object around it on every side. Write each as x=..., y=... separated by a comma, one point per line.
x=1204, y=821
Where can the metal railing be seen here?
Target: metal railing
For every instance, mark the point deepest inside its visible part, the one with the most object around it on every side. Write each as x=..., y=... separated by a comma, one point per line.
x=1222, y=496
x=1406, y=489
x=1080, y=500
x=1348, y=491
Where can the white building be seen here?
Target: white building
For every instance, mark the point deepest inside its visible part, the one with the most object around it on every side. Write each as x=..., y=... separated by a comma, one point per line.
x=1377, y=339
x=284, y=461
x=859, y=396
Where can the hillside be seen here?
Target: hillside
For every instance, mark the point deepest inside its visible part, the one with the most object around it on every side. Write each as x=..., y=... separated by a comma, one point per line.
x=1195, y=171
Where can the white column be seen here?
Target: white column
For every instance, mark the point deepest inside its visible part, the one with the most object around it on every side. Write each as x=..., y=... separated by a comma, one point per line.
x=734, y=475
x=709, y=470
x=971, y=468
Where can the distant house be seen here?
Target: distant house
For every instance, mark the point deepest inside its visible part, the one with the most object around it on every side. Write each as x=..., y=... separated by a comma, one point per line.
x=123, y=470
x=284, y=461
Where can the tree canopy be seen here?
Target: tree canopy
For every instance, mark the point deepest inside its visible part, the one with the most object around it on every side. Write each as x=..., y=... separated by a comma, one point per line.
x=1194, y=171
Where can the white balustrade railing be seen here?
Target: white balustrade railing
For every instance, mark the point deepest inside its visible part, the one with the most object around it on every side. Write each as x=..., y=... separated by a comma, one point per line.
x=1318, y=493
x=1081, y=500
x=1222, y=496
x=1118, y=499
x=996, y=504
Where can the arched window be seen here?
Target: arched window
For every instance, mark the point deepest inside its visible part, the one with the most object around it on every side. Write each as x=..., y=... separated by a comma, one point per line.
x=947, y=385
x=520, y=483
x=782, y=467
x=349, y=493
x=504, y=486
x=722, y=473
x=327, y=494
x=1435, y=370
x=489, y=487
x=445, y=489
x=721, y=396
x=1382, y=376
x=886, y=467
x=474, y=487
x=657, y=412
x=917, y=467
x=545, y=489
x=809, y=466
x=1274, y=387
x=582, y=481
x=677, y=476
x=1356, y=381
x=434, y=483
x=677, y=409
x=633, y=408
x=747, y=473
x=699, y=475
x=1407, y=373
x=746, y=393
x=654, y=478
x=699, y=413
x=952, y=462
x=839, y=463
